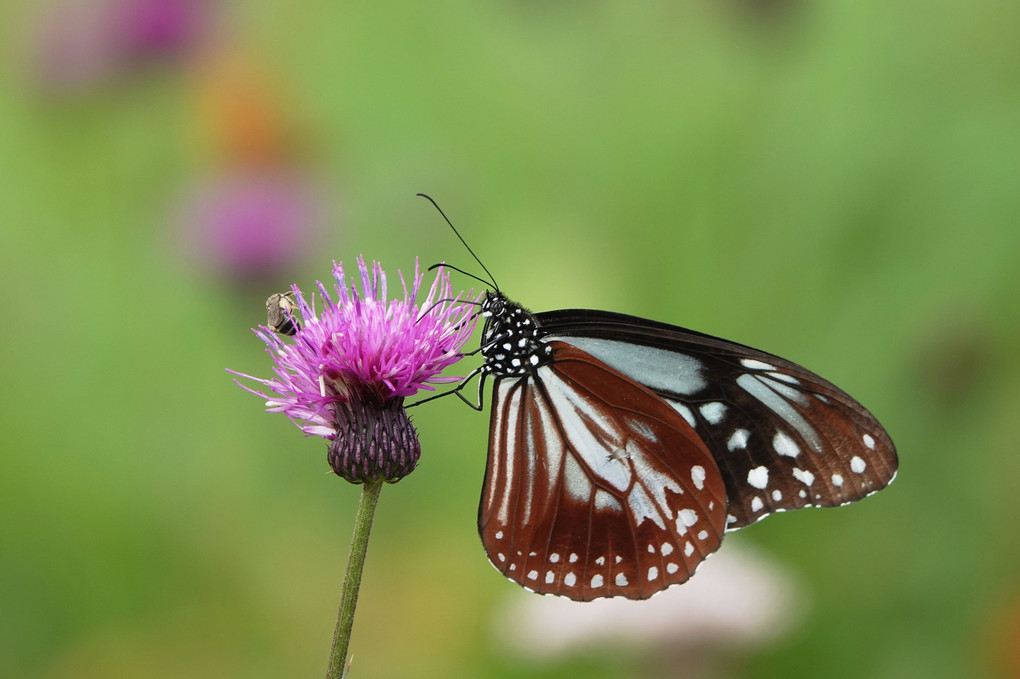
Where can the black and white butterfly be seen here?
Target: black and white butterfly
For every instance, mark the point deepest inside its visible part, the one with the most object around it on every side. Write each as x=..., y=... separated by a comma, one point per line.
x=621, y=449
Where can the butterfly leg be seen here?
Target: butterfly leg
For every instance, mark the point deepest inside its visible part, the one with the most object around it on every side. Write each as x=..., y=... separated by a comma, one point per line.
x=481, y=383
x=456, y=390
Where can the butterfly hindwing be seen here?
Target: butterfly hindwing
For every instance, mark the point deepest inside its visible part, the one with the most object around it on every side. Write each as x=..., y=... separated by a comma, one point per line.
x=782, y=437
x=595, y=486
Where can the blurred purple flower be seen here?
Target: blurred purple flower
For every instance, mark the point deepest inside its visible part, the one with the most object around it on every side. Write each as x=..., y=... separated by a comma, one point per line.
x=350, y=366
x=252, y=224
x=159, y=27
x=77, y=45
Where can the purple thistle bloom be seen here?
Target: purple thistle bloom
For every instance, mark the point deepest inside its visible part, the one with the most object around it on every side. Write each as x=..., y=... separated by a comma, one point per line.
x=349, y=367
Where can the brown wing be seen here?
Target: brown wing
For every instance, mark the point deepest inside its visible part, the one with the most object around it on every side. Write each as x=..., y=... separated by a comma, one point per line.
x=595, y=486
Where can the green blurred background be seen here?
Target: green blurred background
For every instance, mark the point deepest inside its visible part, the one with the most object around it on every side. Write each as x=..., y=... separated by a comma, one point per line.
x=836, y=182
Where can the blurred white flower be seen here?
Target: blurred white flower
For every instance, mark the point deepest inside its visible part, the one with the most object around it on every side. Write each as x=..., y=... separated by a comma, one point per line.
x=738, y=599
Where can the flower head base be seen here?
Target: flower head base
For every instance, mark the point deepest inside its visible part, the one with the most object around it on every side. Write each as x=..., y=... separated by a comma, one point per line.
x=373, y=442
x=350, y=366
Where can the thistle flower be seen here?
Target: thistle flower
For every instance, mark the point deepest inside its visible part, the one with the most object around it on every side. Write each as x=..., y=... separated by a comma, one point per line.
x=344, y=375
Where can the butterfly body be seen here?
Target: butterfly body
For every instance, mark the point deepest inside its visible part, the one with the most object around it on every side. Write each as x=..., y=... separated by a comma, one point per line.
x=621, y=449
x=511, y=343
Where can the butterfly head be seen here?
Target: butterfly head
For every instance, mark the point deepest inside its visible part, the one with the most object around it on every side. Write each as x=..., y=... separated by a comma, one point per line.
x=511, y=339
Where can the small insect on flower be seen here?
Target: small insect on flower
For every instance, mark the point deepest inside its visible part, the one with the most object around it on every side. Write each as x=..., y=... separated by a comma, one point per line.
x=343, y=372
x=281, y=310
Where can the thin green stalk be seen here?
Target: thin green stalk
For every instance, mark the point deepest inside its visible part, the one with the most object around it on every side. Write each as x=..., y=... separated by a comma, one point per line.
x=352, y=578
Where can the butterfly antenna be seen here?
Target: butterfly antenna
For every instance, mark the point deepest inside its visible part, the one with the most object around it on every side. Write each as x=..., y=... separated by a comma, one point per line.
x=492, y=279
x=455, y=300
x=460, y=271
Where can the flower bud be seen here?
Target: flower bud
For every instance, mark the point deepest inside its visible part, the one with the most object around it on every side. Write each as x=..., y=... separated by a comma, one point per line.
x=373, y=441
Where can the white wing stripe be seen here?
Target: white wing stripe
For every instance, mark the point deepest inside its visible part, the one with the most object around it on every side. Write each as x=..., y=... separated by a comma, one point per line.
x=655, y=368
x=757, y=388
x=578, y=420
x=511, y=411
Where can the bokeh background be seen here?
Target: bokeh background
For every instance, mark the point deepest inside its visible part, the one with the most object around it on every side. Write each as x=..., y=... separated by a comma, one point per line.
x=835, y=181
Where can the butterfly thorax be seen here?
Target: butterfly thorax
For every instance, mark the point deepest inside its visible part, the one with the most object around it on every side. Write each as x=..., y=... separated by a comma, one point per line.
x=511, y=341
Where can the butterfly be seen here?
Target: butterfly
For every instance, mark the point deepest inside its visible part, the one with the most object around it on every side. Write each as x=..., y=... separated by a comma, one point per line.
x=622, y=449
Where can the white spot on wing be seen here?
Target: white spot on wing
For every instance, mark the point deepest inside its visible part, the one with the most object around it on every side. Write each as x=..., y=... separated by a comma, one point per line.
x=596, y=580
x=667, y=549
x=653, y=573
x=672, y=568
x=688, y=549
x=621, y=580
x=533, y=575
x=738, y=440
x=805, y=477
x=758, y=477
x=713, y=412
x=837, y=480
x=784, y=445
x=685, y=518
x=570, y=579
x=753, y=364
x=554, y=557
x=857, y=465
x=756, y=504
x=698, y=476
x=868, y=441
x=550, y=577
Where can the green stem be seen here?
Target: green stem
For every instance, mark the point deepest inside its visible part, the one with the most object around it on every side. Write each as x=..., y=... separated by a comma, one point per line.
x=352, y=578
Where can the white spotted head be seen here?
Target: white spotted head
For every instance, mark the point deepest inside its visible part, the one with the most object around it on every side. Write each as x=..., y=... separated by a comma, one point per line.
x=510, y=339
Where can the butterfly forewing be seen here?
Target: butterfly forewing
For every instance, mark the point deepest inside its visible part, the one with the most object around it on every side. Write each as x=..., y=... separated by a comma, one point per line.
x=782, y=437
x=594, y=485
x=785, y=439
